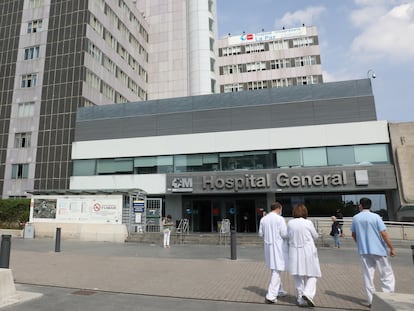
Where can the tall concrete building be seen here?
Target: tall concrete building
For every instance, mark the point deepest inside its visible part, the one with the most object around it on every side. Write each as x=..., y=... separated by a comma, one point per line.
x=182, y=46
x=56, y=56
x=286, y=57
x=59, y=55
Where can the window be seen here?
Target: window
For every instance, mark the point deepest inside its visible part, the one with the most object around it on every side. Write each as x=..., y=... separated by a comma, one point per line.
x=108, y=91
x=110, y=40
x=114, y=166
x=122, y=52
x=282, y=82
x=257, y=85
x=84, y=167
x=212, y=64
x=152, y=165
x=279, y=45
x=35, y=3
x=234, y=50
x=20, y=171
x=25, y=110
x=109, y=64
x=232, y=69
x=96, y=25
x=94, y=51
x=305, y=61
x=236, y=87
x=289, y=158
x=257, y=66
x=244, y=160
x=307, y=80
x=253, y=48
x=314, y=157
x=210, y=24
x=368, y=154
x=92, y=80
x=300, y=42
x=34, y=26
x=31, y=53
x=341, y=155
x=22, y=140
x=29, y=80
x=196, y=162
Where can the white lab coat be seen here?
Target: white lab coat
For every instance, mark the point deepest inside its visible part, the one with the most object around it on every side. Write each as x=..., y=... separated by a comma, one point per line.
x=303, y=255
x=274, y=232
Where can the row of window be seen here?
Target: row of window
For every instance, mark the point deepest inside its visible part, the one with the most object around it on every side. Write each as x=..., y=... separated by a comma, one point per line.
x=275, y=83
x=270, y=65
x=98, y=84
x=268, y=46
x=114, y=44
x=245, y=160
x=108, y=64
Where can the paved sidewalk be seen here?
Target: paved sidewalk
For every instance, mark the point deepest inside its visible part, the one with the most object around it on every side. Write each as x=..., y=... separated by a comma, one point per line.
x=201, y=272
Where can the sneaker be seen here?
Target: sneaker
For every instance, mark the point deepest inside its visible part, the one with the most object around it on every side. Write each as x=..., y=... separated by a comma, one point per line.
x=308, y=300
x=282, y=293
x=268, y=301
x=302, y=302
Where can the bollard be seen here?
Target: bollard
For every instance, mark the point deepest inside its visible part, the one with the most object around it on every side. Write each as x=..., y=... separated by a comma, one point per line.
x=412, y=250
x=5, y=251
x=233, y=245
x=57, y=241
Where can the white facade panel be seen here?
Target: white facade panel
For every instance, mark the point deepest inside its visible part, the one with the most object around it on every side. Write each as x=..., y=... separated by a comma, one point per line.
x=150, y=183
x=261, y=139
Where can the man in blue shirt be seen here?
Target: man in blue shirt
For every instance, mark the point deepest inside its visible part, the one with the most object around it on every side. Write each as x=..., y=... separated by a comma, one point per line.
x=370, y=234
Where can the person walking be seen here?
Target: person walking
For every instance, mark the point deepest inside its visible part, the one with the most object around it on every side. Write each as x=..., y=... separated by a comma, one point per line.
x=336, y=232
x=303, y=255
x=166, y=226
x=369, y=232
x=274, y=232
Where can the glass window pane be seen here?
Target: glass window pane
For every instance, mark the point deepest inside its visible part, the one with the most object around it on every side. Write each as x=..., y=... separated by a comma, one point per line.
x=371, y=154
x=83, y=167
x=314, y=156
x=111, y=166
x=210, y=158
x=288, y=158
x=165, y=160
x=145, y=162
x=341, y=155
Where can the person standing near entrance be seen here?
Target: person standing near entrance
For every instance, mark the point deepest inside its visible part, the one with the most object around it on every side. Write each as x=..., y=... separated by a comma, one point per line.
x=369, y=232
x=303, y=255
x=274, y=232
x=166, y=229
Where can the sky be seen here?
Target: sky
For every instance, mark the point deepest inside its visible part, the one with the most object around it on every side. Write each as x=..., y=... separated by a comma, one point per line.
x=357, y=38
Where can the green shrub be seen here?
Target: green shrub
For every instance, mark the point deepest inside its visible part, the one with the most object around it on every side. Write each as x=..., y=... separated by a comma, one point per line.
x=14, y=213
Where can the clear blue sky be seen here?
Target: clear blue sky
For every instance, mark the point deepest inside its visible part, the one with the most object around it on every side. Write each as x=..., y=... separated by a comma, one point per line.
x=354, y=36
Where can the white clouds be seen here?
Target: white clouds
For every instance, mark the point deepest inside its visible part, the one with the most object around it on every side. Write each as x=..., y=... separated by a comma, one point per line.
x=387, y=31
x=306, y=16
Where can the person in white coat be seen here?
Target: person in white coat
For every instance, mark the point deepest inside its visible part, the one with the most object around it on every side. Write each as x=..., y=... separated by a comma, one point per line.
x=303, y=255
x=274, y=232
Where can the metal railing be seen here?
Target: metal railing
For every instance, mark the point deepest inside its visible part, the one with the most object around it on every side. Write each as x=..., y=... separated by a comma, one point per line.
x=396, y=230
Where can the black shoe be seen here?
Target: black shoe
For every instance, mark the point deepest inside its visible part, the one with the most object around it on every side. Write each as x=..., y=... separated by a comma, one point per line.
x=268, y=301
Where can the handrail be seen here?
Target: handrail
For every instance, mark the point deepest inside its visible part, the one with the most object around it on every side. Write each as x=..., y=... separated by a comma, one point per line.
x=396, y=229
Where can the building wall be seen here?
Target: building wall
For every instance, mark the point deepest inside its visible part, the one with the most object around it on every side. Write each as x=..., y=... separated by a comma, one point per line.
x=70, y=48
x=402, y=144
x=179, y=47
x=11, y=13
x=339, y=102
x=239, y=50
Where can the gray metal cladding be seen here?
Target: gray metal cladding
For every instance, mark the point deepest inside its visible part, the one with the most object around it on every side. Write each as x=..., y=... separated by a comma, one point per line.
x=338, y=102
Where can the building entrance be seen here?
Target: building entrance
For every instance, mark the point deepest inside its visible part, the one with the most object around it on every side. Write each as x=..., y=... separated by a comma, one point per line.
x=206, y=214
